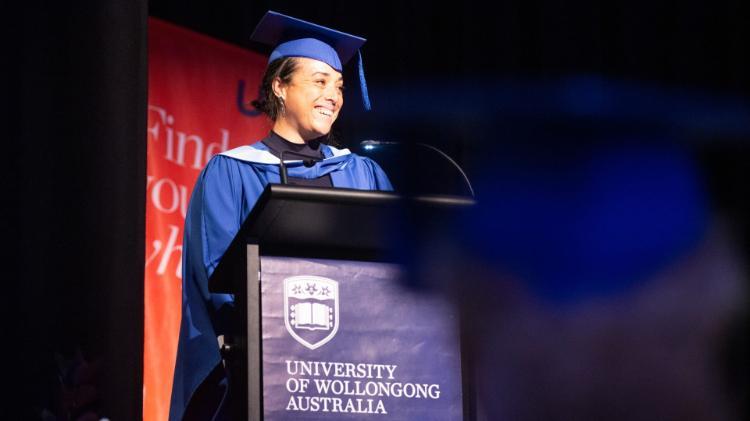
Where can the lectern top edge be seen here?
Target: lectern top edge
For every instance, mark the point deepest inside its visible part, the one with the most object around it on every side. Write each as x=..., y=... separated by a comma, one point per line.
x=328, y=194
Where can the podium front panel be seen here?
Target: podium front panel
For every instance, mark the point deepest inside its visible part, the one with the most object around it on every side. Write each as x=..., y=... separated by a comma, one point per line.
x=345, y=340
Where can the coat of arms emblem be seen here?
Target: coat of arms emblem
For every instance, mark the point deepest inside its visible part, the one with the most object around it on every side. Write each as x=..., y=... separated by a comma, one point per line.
x=311, y=309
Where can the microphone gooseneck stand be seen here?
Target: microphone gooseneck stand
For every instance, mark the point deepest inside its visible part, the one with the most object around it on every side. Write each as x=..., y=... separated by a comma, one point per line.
x=370, y=144
x=308, y=162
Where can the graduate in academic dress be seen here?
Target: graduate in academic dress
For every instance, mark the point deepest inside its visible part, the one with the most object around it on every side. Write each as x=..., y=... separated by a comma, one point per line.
x=301, y=92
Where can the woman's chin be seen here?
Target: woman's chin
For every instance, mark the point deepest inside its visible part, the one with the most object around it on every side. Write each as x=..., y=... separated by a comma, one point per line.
x=317, y=132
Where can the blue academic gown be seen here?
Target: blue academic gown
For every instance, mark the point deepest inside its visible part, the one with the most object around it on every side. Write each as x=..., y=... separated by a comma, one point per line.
x=224, y=194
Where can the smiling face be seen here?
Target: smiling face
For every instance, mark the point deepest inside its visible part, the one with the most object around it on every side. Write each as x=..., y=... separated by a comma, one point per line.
x=312, y=101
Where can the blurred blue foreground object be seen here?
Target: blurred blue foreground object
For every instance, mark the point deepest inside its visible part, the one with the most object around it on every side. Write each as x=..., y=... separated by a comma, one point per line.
x=574, y=222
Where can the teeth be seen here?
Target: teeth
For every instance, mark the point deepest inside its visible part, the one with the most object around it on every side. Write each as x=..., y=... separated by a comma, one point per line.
x=325, y=112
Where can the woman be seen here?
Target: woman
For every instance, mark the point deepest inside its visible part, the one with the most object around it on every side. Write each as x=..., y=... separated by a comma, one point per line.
x=302, y=92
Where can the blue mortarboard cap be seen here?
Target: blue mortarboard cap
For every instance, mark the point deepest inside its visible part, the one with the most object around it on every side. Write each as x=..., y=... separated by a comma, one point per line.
x=294, y=37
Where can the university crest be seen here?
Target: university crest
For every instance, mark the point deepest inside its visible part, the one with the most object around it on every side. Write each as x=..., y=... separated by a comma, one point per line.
x=311, y=309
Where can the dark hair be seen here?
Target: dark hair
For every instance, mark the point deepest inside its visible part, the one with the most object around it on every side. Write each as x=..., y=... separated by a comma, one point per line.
x=267, y=102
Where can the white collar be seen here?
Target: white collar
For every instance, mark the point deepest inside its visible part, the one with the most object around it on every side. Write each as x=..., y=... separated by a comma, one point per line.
x=262, y=156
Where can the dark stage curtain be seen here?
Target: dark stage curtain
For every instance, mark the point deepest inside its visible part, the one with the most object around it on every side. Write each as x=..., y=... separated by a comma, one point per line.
x=74, y=194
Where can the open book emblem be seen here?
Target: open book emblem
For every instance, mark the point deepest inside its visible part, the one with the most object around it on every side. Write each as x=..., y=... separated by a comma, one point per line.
x=311, y=309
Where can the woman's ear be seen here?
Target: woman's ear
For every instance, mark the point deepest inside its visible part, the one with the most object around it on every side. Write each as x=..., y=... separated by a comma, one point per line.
x=279, y=88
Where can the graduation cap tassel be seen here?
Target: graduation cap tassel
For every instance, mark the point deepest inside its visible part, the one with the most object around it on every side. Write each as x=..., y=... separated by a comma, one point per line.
x=363, y=83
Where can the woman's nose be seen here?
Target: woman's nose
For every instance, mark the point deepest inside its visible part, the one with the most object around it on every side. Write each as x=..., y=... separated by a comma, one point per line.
x=333, y=93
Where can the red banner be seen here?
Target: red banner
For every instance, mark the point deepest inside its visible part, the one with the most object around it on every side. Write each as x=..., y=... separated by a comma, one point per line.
x=198, y=95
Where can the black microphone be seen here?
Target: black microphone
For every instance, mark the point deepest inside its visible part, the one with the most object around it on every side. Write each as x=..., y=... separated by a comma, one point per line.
x=372, y=144
x=308, y=162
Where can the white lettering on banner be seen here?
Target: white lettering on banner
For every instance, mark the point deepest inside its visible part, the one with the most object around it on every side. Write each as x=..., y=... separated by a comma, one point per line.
x=166, y=195
x=177, y=143
x=165, y=253
x=157, y=197
x=340, y=394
